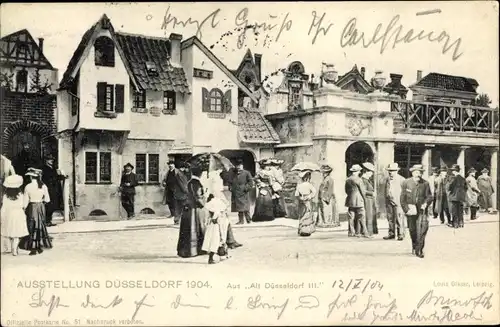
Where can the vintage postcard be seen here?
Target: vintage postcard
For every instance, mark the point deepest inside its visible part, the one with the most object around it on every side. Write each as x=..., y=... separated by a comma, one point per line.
x=249, y=163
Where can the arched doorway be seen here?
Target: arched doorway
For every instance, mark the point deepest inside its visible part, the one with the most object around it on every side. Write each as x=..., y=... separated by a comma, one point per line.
x=357, y=153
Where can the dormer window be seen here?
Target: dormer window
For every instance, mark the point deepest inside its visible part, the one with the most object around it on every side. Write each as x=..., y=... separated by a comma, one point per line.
x=22, y=81
x=151, y=68
x=104, y=52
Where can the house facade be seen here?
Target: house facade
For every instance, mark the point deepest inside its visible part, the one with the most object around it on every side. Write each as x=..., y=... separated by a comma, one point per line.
x=28, y=102
x=146, y=100
x=347, y=120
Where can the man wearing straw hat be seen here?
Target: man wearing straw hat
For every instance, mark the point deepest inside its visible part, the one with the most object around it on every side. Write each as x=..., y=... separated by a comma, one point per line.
x=393, y=188
x=416, y=197
x=355, y=201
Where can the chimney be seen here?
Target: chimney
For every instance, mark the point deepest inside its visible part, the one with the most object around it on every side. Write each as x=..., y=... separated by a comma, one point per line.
x=40, y=44
x=396, y=79
x=419, y=75
x=258, y=59
x=175, y=49
x=363, y=72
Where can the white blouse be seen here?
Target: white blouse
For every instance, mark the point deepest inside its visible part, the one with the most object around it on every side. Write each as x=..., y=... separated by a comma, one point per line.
x=34, y=194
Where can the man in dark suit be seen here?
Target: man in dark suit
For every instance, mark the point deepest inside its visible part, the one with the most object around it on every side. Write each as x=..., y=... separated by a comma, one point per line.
x=392, y=194
x=169, y=183
x=241, y=185
x=458, y=190
x=52, y=179
x=355, y=202
x=180, y=190
x=416, y=197
x=127, y=189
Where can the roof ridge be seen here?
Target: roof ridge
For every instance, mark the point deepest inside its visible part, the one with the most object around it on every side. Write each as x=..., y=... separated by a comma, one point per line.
x=142, y=35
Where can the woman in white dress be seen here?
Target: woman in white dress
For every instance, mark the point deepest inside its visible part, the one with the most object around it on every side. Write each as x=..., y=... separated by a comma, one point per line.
x=12, y=212
x=306, y=192
x=36, y=195
x=216, y=229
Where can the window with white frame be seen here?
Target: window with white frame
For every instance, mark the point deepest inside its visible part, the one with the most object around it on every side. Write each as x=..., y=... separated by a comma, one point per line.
x=216, y=98
x=147, y=167
x=169, y=102
x=97, y=167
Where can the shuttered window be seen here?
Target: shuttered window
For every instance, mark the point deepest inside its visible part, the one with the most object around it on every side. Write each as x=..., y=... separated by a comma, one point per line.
x=120, y=98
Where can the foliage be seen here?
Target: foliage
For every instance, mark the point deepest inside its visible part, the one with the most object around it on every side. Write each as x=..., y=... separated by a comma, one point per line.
x=37, y=85
x=7, y=80
x=482, y=100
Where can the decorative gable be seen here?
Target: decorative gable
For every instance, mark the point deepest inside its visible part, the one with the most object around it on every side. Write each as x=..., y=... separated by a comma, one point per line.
x=20, y=49
x=354, y=81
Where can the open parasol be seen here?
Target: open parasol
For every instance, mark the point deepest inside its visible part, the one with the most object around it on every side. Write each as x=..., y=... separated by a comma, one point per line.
x=211, y=161
x=304, y=166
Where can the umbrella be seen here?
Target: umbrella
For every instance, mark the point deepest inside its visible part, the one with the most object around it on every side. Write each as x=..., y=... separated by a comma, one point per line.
x=211, y=161
x=301, y=166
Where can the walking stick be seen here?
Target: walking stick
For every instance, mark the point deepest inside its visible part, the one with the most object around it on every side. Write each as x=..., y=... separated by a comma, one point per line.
x=119, y=204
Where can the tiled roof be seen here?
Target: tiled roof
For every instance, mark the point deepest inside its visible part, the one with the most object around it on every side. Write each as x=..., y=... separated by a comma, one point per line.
x=447, y=82
x=253, y=127
x=140, y=49
x=67, y=79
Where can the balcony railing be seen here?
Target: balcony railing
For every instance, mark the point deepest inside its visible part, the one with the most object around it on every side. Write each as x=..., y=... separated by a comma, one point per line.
x=74, y=103
x=446, y=117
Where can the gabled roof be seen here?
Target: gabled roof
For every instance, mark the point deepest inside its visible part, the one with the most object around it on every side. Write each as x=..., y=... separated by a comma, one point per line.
x=247, y=57
x=194, y=40
x=253, y=127
x=447, y=82
x=139, y=49
x=23, y=36
x=83, y=49
x=354, y=74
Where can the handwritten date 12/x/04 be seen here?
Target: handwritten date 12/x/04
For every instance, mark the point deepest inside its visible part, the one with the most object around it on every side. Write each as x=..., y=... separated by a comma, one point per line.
x=358, y=284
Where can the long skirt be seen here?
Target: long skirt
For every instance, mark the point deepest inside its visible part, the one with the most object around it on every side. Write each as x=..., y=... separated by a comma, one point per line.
x=328, y=214
x=191, y=233
x=370, y=215
x=264, y=206
x=279, y=206
x=38, y=235
x=307, y=223
x=485, y=201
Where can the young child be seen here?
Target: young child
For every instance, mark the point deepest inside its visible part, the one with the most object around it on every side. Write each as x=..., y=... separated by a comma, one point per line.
x=216, y=230
x=12, y=212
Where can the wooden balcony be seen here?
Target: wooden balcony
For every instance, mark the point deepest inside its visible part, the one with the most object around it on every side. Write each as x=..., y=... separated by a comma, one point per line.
x=445, y=117
x=74, y=103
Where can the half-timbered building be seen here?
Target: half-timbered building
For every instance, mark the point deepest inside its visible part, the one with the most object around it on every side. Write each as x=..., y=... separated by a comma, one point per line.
x=28, y=102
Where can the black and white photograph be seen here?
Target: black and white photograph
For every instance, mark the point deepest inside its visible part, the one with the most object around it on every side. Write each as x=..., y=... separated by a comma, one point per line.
x=249, y=163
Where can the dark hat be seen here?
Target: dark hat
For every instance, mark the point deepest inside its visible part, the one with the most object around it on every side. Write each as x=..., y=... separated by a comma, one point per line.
x=485, y=170
x=49, y=156
x=443, y=168
x=455, y=167
x=472, y=171
x=128, y=165
x=239, y=161
x=326, y=168
x=171, y=162
x=185, y=165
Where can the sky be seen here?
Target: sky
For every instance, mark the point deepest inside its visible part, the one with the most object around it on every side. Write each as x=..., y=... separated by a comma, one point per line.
x=309, y=32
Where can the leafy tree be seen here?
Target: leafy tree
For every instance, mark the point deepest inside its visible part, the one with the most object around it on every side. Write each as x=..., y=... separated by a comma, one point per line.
x=482, y=100
x=37, y=85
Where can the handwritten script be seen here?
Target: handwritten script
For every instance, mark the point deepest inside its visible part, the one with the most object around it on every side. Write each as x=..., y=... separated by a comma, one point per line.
x=388, y=37
x=374, y=307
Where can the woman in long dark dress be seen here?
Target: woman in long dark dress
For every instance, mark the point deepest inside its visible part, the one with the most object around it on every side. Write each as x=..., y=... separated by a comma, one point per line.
x=264, y=206
x=370, y=203
x=191, y=229
x=36, y=195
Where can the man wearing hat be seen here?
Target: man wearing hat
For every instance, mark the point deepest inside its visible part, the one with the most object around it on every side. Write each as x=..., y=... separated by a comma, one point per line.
x=416, y=197
x=328, y=215
x=486, y=186
x=457, y=189
x=52, y=178
x=432, y=184
x=355, y=201
x=441, y=203
x=392, y=195
x=127, y=189
x=472, y=193
x=241, y=185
